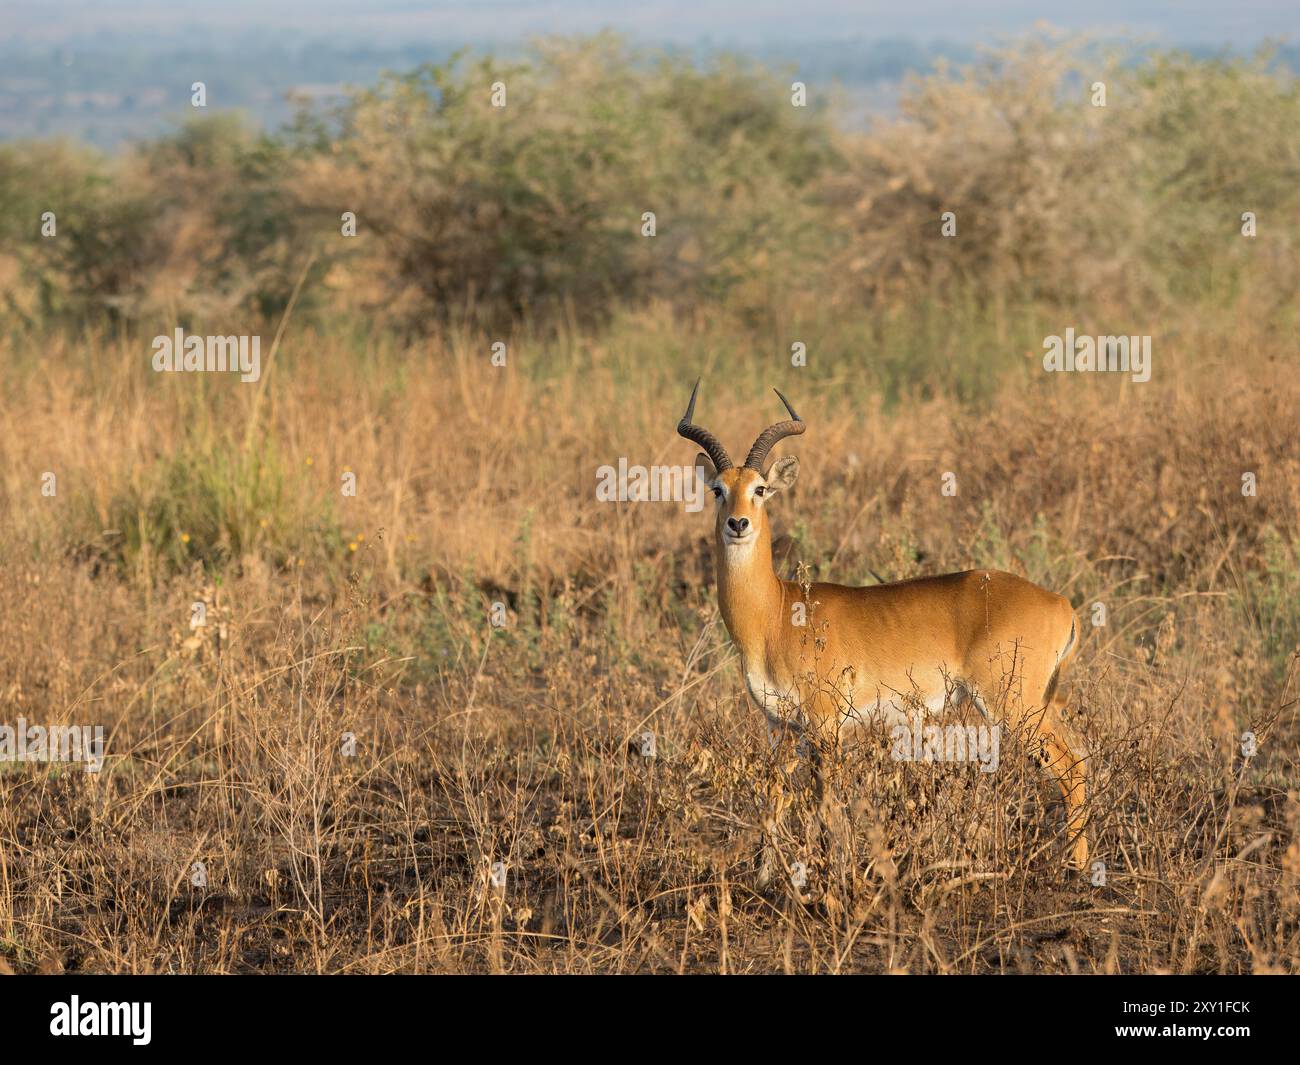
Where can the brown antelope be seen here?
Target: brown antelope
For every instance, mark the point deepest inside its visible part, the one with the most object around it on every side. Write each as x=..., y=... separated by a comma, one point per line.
x=990, y=639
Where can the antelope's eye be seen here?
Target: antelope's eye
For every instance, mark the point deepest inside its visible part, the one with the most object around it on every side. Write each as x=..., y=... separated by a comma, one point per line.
x=761, y=490
x=717, y=492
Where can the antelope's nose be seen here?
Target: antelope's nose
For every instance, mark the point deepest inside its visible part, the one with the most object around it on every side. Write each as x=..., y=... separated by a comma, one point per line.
x=738, y=525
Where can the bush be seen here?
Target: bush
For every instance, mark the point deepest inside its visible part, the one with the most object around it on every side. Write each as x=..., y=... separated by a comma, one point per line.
x=195, y=224
x=766, y=213
x=1138, y=202
x=535, y=208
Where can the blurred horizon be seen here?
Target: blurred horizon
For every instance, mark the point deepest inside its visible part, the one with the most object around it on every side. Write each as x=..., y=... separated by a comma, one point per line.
x=394, y=21
x=107, y=74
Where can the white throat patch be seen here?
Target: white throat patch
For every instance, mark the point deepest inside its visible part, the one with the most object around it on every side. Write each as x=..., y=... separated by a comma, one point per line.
x=738, y=554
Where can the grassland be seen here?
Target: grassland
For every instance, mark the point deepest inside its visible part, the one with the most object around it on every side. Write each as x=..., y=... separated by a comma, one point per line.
x=329, y=614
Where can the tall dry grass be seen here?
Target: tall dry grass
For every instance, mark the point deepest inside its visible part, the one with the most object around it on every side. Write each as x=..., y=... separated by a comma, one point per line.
x=477, y=745
x=328, y=615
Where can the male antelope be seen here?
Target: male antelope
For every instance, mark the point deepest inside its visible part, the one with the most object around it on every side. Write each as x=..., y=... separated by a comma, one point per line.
x=990, y=639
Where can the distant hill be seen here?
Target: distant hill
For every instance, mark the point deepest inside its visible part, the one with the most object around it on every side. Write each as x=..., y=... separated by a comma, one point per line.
x=116, y=90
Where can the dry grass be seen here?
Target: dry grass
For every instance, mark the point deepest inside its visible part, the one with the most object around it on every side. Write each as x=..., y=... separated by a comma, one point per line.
x=476, y=745
x=328, y=614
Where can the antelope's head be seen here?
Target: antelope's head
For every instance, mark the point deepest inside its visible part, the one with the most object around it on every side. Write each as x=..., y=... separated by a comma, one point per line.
x=741, y=494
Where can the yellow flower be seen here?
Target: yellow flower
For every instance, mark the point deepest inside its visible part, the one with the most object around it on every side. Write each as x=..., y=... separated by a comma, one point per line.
x=185, y=538
x=352, y=546
x=361, y=537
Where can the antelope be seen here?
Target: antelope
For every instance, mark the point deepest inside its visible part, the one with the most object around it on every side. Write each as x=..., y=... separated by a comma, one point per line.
x=930, y=642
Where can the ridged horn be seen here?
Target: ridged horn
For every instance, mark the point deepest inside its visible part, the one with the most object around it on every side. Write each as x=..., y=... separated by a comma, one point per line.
x=769, y=437
x=711, y=444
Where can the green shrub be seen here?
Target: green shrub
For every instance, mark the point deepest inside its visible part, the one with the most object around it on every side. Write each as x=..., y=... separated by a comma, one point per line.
x=535, y=209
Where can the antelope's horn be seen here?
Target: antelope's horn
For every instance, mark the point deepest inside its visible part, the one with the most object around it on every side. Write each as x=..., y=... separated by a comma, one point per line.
x=768, y=438
x=711, y=444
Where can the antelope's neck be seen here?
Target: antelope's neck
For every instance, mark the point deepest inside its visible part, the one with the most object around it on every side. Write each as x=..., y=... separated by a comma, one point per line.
x=749, y=594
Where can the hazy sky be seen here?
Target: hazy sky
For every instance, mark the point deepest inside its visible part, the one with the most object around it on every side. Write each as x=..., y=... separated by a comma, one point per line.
x=1240, y=23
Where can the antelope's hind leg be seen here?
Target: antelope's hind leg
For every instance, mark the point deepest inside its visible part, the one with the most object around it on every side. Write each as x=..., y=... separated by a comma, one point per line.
x=1062, y=761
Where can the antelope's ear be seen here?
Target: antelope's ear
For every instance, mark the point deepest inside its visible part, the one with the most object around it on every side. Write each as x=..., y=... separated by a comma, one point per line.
x=707, y=470
x=783, y=473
